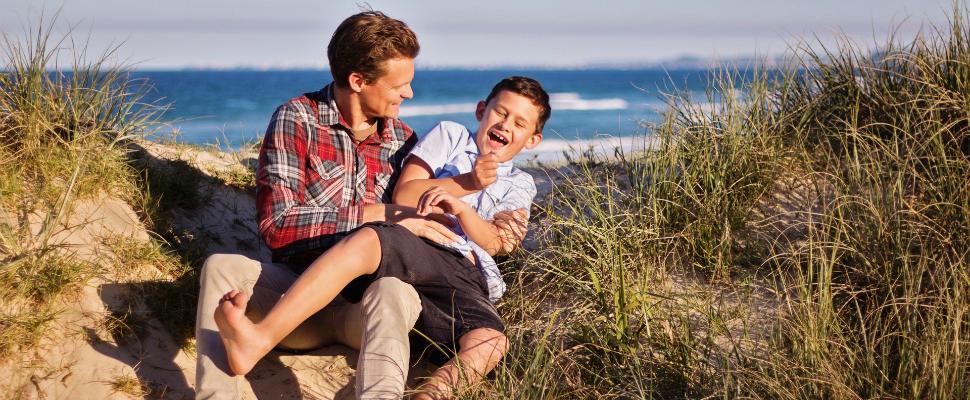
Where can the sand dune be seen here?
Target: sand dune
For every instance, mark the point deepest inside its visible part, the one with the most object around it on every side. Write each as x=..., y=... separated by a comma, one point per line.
x=80, y=359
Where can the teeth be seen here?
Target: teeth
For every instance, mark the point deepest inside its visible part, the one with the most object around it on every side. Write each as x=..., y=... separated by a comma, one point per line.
x=498, y=138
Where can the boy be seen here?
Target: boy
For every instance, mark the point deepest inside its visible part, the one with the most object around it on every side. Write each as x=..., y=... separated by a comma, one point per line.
x=450, y=171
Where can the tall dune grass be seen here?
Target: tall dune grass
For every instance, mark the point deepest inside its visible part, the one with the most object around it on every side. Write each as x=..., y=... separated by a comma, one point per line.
x=62, y=133
x=807, y=238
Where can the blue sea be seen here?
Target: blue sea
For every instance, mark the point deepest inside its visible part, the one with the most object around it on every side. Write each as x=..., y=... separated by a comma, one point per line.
x=234, y=106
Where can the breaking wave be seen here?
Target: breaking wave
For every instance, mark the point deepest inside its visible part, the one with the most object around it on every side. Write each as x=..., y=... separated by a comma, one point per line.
x=558, y=101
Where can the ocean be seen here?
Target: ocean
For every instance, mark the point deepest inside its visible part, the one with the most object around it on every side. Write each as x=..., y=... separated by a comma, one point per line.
x=232, y=107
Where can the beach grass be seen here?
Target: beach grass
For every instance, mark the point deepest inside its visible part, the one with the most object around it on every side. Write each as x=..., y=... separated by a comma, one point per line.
x=806, y=237
x=62, y=134
x=67, y=134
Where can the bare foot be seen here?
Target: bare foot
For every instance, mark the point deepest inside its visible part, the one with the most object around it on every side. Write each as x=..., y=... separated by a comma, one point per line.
x=245, y=345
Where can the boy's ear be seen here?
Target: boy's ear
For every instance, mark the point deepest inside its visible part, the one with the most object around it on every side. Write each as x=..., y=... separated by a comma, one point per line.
x=533, y=141
x=480, y=110
x=356, y=82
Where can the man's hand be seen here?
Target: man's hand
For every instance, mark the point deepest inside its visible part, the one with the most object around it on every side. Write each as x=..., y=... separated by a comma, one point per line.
x=485, y=171
x=437, y=200
x=512, y=227
x=431, y=227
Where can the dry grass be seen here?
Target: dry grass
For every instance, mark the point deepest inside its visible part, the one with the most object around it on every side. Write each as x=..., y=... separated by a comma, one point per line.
x=807, y=238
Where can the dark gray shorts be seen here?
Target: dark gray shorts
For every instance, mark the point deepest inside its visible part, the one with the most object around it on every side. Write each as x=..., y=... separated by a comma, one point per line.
x=453, y=292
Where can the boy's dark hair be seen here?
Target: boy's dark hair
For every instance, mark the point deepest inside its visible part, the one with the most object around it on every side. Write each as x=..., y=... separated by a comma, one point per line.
x=531, y=89
x=364, y=41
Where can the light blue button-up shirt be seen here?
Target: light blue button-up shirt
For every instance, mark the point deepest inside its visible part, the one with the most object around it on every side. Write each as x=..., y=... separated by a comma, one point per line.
x=450, y=150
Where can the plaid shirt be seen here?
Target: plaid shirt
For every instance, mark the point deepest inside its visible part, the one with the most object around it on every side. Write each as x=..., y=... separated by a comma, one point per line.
x=313, y=180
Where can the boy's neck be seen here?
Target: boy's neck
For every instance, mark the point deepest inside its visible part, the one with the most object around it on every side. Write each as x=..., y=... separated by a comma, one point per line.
x=348, y=105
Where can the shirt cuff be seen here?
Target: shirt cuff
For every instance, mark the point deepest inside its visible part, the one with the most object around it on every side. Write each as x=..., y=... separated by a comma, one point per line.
x=351, y=216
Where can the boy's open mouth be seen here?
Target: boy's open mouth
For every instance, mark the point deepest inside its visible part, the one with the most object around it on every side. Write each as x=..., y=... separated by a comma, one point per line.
x=495, y=137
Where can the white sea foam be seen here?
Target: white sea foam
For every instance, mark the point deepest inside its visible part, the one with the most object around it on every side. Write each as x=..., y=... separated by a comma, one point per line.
x=551, y=150
x=558, y=101
x=437, y=109
x=572, y=101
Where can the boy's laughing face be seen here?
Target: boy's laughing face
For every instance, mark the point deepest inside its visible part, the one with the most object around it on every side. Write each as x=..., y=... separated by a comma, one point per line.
x=506, y=125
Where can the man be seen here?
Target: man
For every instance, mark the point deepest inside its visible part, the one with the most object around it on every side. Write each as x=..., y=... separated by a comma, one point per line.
x=328, y=164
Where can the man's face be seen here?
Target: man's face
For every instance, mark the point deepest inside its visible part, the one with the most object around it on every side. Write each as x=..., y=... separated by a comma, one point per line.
x=383, y=97
x=507, y=124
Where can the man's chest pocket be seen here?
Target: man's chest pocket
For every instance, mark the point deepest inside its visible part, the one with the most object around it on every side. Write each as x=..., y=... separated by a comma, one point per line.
x=325, y=182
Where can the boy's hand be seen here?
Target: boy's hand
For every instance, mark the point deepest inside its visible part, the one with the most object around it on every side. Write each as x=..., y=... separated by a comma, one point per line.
x=432, y=227
x=437, y=201
x=512, y=228
x=485, y=171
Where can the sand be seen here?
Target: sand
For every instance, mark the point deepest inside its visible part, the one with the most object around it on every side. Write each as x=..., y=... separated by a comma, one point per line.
x=79, y=359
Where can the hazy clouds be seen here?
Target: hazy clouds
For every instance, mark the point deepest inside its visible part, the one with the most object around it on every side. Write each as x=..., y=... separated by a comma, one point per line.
x=221, y=33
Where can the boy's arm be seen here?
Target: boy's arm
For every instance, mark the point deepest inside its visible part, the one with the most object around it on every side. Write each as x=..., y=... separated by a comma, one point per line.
x=512, y=227
x=484, y=233
x=509, y=226
x=416, y=179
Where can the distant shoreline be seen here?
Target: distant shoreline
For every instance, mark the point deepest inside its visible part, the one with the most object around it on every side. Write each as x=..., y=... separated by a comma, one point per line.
x=685, y=62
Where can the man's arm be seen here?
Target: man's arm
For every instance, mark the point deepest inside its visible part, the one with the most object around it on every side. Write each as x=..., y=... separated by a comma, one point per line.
x=431, y=227
x=284, y=219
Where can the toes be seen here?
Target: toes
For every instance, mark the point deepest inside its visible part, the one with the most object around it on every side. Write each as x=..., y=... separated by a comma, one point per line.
x=240, y=299
x=231, y=296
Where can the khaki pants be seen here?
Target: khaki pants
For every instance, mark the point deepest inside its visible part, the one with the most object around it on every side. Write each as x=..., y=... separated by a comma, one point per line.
x=378, y=326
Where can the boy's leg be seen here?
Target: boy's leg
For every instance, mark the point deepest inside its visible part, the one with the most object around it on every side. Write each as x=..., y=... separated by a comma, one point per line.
x=245, y=342
x=480, y=350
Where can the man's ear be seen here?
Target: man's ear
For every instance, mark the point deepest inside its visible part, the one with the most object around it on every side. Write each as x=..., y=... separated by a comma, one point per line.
x=533, y=141
x=480, y=110
x=356, y=82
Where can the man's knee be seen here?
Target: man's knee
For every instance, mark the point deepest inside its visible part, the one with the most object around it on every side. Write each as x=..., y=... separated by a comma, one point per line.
x=224, y=271
x=391, y=288
x=392, y=294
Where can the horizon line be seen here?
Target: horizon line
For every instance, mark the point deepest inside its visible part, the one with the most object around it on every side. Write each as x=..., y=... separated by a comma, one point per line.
x=686, y=61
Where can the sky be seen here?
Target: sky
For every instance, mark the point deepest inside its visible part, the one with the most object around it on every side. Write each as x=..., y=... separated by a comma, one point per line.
x=176, y=34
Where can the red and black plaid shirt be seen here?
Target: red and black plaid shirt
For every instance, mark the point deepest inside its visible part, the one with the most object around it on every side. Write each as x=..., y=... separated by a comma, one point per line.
x=313, y=180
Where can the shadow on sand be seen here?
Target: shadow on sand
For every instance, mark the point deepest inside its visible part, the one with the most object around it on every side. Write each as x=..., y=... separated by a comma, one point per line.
x=197, y=215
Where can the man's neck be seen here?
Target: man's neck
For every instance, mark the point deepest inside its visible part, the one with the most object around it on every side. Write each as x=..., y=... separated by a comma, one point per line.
x=348, y=103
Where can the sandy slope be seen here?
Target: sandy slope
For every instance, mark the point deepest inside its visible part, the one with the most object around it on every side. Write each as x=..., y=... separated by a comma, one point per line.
x=79, y=359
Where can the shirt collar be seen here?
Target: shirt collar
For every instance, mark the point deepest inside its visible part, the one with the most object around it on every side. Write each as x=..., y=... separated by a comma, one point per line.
x=328, y=114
